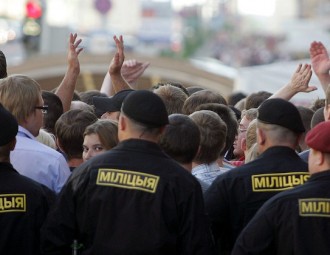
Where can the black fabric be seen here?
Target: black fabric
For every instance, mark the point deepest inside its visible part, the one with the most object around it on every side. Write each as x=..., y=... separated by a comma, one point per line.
x=110, y=104
x=232, y=200
x=145, y=107
x=283, y=226
x=281, y=112
x=20, y=227
x=128, y=219
x=8, y=126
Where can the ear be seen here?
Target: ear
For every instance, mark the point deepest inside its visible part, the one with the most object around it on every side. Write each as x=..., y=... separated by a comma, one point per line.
x=122, y=122
x=320, y=158
x=326, y=112
x=243, y=144
x=261, y=138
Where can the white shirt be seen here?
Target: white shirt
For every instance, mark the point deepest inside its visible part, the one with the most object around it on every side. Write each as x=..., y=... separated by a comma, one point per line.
x=208, y=172
x=39, y=162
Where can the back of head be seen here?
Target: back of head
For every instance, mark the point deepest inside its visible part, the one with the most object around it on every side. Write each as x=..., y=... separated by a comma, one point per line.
x=19, y=94
x=87, y=96
x=107, y=130
x=180, y=139
x=213, y=131
x=306, y=115
x=254, y=100
x=191, y=90
x=228, y=116
x=281, y=121
x=318, y=117
x=172, y=97
x=69, y=131
x=146, y=112
x=47, y=139
x=202, y=97
x=317, y=104
x=80, y=105
x=235, y=97
x=55, y=110
x=174, y=84
x=3, y=65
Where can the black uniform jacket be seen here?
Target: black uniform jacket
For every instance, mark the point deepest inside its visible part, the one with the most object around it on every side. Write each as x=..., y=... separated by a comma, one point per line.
x=24, y=205
x=130, y=200
x=234, y=197
x=293, y=222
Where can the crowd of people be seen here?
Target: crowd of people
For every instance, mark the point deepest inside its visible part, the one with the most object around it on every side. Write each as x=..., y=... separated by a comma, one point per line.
x=170, y=170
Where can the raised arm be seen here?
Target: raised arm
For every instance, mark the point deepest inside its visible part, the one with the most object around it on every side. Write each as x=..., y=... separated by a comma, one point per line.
x=320, y=63
x=298, y=83
x=66, y=88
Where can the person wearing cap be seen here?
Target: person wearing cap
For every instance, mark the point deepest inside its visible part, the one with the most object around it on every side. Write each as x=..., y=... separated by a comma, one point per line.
x=109, y=107
x=133, y=199
x=24, y=203
x=296, y=221
x=235, y=196
x=21, y=95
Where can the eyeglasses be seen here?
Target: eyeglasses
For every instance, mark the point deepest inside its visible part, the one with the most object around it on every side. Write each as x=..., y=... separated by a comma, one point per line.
x=44, y=108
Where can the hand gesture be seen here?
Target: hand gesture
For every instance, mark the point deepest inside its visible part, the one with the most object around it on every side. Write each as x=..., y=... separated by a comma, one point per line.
x=301, y=78
x=320, y=58
x=73, y=53
x=119, y=57
x=133, y=69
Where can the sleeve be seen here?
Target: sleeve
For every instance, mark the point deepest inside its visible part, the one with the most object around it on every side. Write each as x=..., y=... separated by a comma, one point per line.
x=195, y=234
x=63, y=173
x=218, y=209
x=258, y=236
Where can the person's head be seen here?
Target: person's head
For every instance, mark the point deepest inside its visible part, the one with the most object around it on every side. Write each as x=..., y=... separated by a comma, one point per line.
x=326, y=109
x=278, y=124
x=191, y=90
x=317, y=104
x=172, y=97
x=143, y=116
x=174, y=84
x=318, y=140
x=99, y=137
x=109, y=107
x=306, y=115
x=202, y=97
x=228, y=116
x=69, y=131
x=180, y=139
x=240, y=141
x=8, y=132
x=213, y=131
x=318, y=117
x=21, y=96
x=3, y=65
x=80, y=105
x=55, y=110
x=87, y=96
x=47, y=139
x=254, y=100
x=235, y=97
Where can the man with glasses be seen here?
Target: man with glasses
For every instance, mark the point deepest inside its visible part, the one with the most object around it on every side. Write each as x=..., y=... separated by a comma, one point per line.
x=21, y=96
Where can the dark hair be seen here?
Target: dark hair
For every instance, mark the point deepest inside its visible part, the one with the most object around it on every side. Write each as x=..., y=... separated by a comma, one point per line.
x=3, y=65
x=228, y=116
x=318, y=117
x=180, y=139
x=317, y=104
x=55, y=110
x=69, y=131
x=193, y=89
x=202, y=97
x=306, y=115
x=254, y=100
x=234, y=97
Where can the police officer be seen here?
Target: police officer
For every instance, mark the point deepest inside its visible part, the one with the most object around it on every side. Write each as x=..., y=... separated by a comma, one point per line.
x=24, y=203
x=132, y=199
x=235, y=196
x=296, y=221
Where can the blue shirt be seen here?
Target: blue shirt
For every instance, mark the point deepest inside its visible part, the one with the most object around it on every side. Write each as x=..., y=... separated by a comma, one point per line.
x=39, y=162
x=208, y=172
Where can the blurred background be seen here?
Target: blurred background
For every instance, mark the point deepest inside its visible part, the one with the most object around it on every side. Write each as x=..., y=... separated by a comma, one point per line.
x=228, y=45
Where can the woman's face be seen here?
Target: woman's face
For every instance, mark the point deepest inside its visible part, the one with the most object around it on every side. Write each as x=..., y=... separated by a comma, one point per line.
x=92, y=146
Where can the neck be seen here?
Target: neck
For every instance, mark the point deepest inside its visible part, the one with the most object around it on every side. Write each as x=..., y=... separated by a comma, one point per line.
x=75, y=162
x=187, y=166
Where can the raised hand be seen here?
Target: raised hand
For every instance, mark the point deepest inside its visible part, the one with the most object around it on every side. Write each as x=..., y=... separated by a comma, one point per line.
x=119, y=57
x=133, y=69
x=320, y=58
x=73, y=53
x=301, y=78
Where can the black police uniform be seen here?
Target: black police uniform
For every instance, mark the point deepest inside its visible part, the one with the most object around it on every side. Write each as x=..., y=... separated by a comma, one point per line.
x=24, y=205
x=132, y=199
x=234, y=197
x=293, y=222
